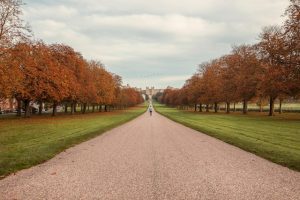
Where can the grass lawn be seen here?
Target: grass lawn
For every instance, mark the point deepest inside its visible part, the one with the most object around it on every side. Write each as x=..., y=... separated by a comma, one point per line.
x=274, y=138
x=27, y=142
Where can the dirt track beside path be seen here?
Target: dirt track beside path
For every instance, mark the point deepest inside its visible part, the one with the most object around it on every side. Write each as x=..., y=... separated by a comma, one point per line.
x=153, y=158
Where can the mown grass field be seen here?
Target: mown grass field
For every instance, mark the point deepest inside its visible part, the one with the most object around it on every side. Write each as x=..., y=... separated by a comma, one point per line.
x=274, y=138
x=27, y=142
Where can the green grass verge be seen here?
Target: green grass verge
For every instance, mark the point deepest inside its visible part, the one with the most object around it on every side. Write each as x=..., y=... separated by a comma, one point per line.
x=274, y=138
x=27, y=142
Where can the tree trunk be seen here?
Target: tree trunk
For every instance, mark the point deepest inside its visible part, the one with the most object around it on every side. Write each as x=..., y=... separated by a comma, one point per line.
x=66, y=108
x=228, y=107
x=93, y=108
x=75, y=107
x=200, y=107
x=105, y=108
x=245, y=106
x=271, y=110
x=216, y=107
x=40, y=107
x=27, y=108
x=83, y=110
x=234, y=109
x=195, y=107
x=19, y=107
x=72, y=108
x=207, y=107
x=260, y=107
x=280, y=106
x=54, y=111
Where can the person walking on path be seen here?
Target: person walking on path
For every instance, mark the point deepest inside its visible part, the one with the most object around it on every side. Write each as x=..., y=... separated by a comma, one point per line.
x=150, y=110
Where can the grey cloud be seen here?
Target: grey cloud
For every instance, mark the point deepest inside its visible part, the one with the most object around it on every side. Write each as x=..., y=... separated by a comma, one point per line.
x=165, y=37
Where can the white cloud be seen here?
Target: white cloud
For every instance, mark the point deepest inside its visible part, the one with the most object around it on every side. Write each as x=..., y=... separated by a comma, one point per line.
x=174, y=25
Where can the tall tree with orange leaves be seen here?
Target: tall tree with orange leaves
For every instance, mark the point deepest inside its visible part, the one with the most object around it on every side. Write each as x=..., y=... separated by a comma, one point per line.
x=72, y=62
x=193, y=90
x=248, y=69
x=229, y=80
x=274, y=80
x=291, y=34
x=211, y=83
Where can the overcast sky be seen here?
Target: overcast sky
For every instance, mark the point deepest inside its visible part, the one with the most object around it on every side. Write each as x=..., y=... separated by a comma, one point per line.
x=152, y=43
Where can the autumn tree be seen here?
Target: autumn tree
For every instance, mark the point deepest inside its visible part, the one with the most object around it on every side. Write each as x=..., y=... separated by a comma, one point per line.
x=274, y=80
x=53, y=80
x=193, y=90
x=75, y=66
x=7, y=83
x=23, y=63
x=12, y=30
x=248, y=69
x=291, y=35
x=96, y=87
x=269, y=69
x=229, y=80
x=104, y=84
x=211, y=83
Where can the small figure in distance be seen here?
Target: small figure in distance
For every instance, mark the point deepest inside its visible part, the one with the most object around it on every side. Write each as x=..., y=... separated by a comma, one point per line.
x=150, y=110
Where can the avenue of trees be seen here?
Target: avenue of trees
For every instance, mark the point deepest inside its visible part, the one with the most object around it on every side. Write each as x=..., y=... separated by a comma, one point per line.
x=32, y=71
x=264, y=72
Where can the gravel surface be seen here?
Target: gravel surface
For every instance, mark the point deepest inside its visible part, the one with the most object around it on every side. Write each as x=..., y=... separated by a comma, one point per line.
x=153, y=158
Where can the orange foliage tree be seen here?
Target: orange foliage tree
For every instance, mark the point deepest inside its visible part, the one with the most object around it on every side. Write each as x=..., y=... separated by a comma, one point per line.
x=58, y=75
x=270, y=69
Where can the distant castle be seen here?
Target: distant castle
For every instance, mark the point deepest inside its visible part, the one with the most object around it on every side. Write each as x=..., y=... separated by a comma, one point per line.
x=152, y=91
x=149, y=91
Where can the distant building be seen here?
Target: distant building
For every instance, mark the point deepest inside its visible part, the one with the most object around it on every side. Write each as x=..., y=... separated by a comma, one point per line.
x=138, y=89
x=151, y=91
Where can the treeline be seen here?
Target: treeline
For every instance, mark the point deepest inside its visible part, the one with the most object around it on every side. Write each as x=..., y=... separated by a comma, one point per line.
x=32, y=71
x=268, y=70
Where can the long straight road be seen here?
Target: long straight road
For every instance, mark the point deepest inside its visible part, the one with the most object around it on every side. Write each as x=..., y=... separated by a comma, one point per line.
x=153, y=158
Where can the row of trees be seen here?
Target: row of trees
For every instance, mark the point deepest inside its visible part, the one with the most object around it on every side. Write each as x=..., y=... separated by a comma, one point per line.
x=269, y=69
x=32, y=71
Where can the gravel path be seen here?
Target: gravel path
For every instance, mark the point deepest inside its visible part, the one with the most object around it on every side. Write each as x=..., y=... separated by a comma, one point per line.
x=153, y=158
